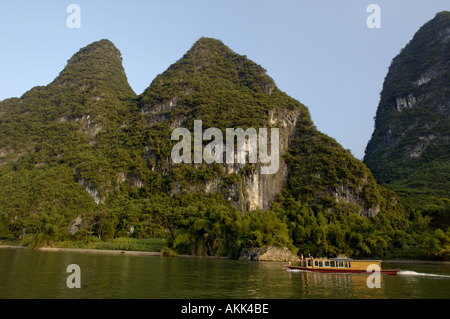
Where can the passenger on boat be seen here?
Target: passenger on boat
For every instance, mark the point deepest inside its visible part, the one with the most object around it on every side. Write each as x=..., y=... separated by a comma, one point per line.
x=310, y=258
x=288, y=265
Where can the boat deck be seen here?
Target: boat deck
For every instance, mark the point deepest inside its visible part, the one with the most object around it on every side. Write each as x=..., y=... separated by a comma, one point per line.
x=344, y=271
x=344, y=265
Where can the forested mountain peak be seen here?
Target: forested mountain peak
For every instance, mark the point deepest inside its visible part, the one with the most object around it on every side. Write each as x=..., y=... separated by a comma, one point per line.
x=103, y=49
x=417, y=61
x=91, y=94
x=209, y=68
x=98, y=66
x=208, y=46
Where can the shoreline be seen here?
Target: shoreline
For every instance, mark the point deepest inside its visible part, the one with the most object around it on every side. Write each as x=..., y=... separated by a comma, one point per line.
x=108, y=251
x=157, y=254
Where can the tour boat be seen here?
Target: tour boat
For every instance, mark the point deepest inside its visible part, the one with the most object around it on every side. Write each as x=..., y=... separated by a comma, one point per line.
x=344, y=265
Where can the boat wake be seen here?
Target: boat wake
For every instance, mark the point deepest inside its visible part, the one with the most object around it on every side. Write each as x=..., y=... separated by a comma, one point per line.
x=413, y=273
x=400, y=273
x=295, y=270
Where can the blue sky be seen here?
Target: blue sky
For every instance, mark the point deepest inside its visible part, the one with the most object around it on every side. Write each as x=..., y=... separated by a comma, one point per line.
x=320, y=52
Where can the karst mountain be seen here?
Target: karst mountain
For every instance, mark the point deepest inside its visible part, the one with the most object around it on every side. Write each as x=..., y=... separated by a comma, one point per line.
x=87, y=155
x=409, y=150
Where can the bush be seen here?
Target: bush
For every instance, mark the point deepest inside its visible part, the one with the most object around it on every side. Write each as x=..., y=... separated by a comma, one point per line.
x=168, y=252
x=132, y=244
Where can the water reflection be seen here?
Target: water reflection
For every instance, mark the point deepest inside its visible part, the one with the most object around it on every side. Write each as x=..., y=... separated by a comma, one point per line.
x=335, y=285
x=38, y=274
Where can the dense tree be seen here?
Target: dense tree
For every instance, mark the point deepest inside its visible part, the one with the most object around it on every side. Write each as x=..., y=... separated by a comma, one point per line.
x=86, y=148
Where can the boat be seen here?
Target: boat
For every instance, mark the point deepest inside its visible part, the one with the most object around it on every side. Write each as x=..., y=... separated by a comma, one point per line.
x=343, y=265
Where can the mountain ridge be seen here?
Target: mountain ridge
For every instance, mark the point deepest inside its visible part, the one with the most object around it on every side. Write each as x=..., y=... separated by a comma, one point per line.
x=104, y=165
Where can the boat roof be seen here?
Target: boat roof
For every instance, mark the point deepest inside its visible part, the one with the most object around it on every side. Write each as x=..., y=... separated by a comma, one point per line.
x=344, y=259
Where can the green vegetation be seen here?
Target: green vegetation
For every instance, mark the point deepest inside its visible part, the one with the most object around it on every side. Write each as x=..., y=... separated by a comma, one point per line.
x=85, y=163
x=144, y=244
x=118, y=243
x=409, y=151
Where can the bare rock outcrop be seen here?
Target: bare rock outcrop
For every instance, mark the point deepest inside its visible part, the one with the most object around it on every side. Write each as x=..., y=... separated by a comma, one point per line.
x=270, y=253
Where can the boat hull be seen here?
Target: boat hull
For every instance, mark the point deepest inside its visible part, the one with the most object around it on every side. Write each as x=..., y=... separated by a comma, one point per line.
x=344, y=271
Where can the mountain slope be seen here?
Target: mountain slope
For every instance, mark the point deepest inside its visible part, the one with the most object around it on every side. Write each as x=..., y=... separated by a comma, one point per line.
x=226, y=90
x=409, y=149
x=51, y=138
x=91, y=92
x=85, y=154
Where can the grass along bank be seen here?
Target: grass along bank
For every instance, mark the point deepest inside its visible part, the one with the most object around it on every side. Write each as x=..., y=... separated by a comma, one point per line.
x=119, y=243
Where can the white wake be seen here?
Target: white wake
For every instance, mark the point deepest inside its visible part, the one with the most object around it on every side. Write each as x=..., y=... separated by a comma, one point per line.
x=413, y=273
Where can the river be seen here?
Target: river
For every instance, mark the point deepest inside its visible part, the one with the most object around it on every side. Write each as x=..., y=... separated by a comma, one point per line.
x=43, y=274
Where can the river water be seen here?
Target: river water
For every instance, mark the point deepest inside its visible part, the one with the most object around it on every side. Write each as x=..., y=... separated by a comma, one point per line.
x=43, y=274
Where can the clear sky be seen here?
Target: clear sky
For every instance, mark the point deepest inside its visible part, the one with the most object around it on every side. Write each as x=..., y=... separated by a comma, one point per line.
x=320, y=52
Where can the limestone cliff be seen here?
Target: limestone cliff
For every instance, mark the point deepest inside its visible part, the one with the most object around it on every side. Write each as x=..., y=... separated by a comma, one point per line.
x=268, y=254
x=212, y=79
x=410, y=141
x=226, y=90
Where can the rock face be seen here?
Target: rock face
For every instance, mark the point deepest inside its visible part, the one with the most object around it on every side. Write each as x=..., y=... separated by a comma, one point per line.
x=233, y=93
x=254, y=190
x=260, y=190
x=244, y=96
x=75, y=225
x=268, y=254
x=412, y=124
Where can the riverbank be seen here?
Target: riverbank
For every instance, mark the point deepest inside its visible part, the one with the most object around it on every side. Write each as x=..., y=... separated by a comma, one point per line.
x=157, y=254
x=106, y=251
